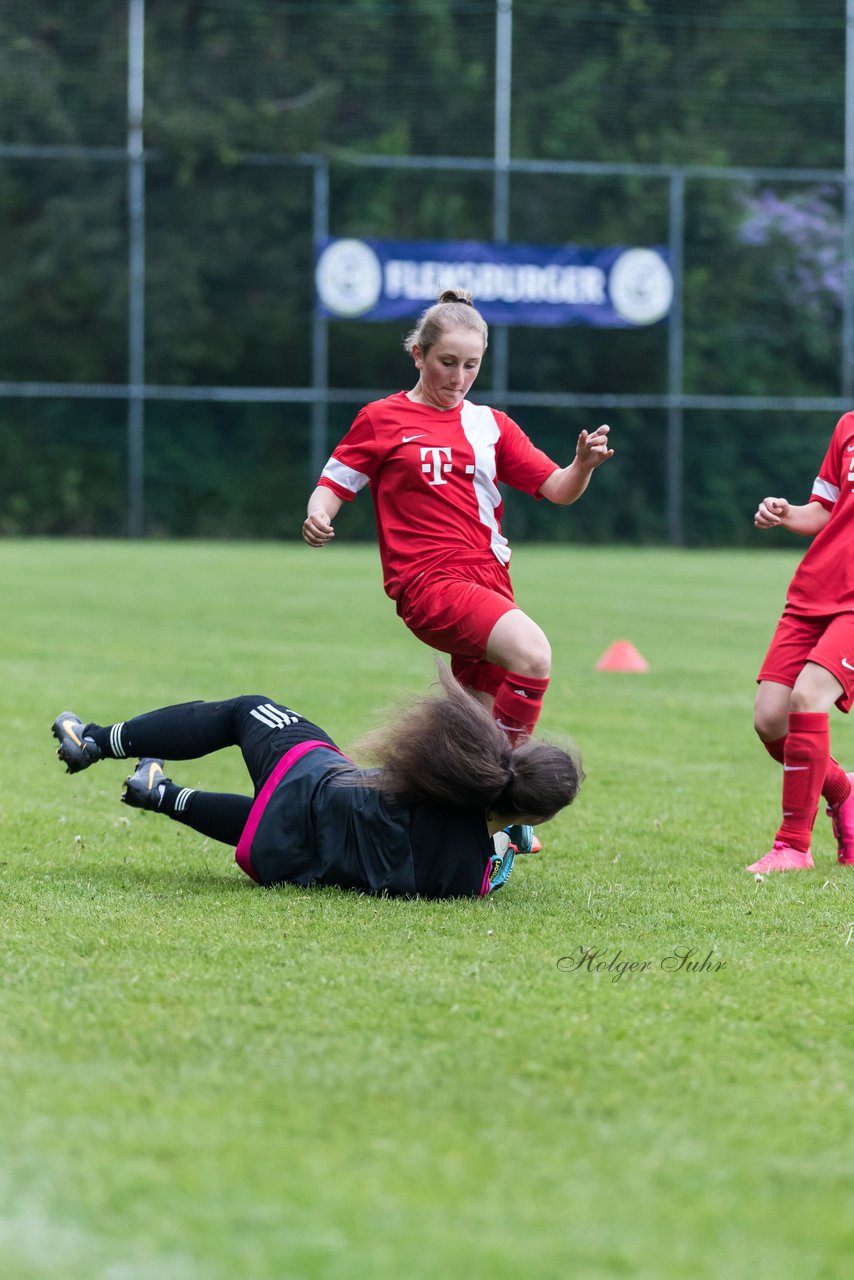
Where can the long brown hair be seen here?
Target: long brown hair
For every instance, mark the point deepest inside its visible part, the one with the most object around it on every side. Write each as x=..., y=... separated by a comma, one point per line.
x=447, y=750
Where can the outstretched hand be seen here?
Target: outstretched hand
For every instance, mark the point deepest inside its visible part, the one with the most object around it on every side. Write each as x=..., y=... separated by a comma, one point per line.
x=592, y=448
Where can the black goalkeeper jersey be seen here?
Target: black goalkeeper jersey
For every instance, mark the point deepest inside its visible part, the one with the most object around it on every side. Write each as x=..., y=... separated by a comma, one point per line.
x=314, y=822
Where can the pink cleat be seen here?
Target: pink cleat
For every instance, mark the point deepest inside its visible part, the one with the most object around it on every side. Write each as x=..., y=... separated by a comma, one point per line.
x=842, y=817
x=782, y=857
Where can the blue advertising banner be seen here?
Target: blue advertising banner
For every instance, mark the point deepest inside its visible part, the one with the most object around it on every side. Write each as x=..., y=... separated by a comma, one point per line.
x=514, y=284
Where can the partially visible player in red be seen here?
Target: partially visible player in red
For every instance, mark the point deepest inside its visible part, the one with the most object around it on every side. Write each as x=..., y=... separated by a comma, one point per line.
x=433, y=461
x=810, y=664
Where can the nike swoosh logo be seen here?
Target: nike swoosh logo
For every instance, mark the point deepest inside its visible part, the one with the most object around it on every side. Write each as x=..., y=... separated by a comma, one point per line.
x=850, y=449
x=847, y=664
x=68, y=726
x=420, y=436
x=153, y=772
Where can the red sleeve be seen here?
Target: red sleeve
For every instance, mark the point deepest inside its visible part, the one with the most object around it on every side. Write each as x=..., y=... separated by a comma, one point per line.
x=353, y=461
x=826, y=486
x=518, y=461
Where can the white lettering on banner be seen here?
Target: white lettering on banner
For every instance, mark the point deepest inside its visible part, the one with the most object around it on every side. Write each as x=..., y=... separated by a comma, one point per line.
x=496, y=281
x=431, y=460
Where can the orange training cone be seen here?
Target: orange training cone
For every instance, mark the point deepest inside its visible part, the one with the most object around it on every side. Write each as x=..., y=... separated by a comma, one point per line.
x=622, y=656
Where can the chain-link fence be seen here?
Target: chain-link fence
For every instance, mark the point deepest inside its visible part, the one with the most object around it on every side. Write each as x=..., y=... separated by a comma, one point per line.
x=163, y=367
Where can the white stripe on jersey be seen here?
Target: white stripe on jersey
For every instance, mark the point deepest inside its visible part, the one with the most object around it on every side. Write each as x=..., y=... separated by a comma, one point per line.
x=347, y=477
x=481, y=431
x=822, y=489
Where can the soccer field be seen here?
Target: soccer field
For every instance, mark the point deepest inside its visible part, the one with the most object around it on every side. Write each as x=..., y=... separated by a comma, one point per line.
x=203, y=1080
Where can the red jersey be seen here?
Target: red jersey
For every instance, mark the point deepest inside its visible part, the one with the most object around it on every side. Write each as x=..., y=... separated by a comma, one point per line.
x=434, y=475
x=824, y=580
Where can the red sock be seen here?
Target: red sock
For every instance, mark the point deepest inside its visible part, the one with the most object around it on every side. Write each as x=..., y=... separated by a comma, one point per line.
x=807, y=753
x=518, y=704
x=835, y=787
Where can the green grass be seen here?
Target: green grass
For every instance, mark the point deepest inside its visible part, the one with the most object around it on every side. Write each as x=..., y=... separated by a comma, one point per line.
x=203, y=1080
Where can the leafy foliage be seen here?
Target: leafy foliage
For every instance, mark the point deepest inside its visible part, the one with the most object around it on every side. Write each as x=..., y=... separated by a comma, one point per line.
x=236, y=98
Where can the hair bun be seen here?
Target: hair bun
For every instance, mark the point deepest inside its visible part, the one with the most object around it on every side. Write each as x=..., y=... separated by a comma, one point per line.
x=456, y=295
x=453, y=309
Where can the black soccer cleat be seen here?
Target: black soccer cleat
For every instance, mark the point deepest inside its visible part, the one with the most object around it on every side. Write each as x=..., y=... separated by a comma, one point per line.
x=75, y=751
x=144, y=787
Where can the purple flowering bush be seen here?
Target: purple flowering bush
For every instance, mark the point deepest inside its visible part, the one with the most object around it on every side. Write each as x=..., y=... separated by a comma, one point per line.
x=804, y=233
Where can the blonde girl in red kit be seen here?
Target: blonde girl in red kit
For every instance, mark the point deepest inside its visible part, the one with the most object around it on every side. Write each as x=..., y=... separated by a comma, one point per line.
x=433, y=460
x=810, y=664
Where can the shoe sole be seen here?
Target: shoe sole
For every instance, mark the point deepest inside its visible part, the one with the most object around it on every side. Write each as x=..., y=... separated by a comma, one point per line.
x=138, y=792
x=133, y=797
x=72, y=756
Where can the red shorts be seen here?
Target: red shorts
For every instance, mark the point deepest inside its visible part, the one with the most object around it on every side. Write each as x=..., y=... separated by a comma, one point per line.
x=454, y=610
x=826, y=641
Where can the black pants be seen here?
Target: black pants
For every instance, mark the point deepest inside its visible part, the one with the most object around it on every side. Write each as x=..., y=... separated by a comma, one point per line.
x=264, y=730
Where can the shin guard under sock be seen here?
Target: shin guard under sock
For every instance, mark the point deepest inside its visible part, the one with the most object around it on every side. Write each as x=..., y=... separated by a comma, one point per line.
x=835, y=787
x=805, y=764
x=185, y=731
x=518, y=704
x=212, y=813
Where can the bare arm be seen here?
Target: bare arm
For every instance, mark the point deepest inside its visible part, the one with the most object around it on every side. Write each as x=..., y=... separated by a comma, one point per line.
x=778, y=513
x=323, y=507
x=568, y=483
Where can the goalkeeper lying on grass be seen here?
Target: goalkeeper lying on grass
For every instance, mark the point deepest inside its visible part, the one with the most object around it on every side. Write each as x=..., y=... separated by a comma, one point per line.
x=430, y=820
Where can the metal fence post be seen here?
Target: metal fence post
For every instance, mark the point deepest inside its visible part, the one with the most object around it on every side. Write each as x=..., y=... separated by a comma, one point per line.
x=847, y=354
x=136, y=270
x=675, y=363
x=499, y=337
x=319, y=329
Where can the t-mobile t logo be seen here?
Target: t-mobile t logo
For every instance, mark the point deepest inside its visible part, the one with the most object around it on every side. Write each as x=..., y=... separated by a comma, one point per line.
x=432, y=459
